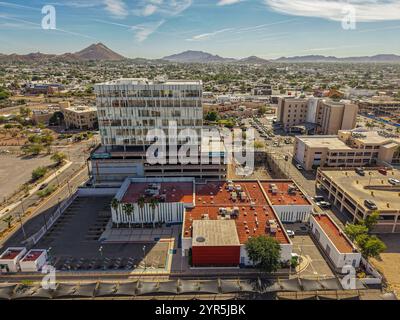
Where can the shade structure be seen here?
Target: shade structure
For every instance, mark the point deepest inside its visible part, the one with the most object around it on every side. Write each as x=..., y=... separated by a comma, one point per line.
x=189, y=287
x=106, y=289
x=211, y=287
x=311, y=285
x=75, y=291
x=6, y=292
x=290, y=285
x=144, y=288
x=168, y=287
x=31, y=292
x=127, y=289
x=230, y=286
x=331, y=284
x=248, y=286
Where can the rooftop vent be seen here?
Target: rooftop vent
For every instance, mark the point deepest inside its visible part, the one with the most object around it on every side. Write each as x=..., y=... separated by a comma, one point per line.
x=200, y=239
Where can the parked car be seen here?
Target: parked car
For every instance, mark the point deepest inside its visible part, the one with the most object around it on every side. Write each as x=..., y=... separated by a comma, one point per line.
x=395, y=182
x=43, y=186
x=299, y=167
x=318, y=198
x=360, y=171
x=370, y=204
x=324, y=204
x=290, y=233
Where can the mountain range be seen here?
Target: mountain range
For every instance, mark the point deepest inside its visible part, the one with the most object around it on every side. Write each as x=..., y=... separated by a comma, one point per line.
x=100, y=52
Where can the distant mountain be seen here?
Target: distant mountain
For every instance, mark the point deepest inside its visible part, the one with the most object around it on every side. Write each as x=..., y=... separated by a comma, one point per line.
x=94, y=52
x=254, y=60
x=196, y=57
x=98, y=52
x=363, y=59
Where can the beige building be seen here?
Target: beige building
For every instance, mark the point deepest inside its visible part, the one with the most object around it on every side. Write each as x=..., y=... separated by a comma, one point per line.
x=328, y=117
x=348, y=191
x=350, y=148
x=80, y=117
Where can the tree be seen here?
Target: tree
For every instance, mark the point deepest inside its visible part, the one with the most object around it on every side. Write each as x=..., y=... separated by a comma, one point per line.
x=58, y=158
x=141, y=202
x=264, y=252
x=128, y=209
x=355, y=230
x=38, y=173
x=371, y=220
x=212, y=116
x=56, y=119
x=259, y=144
x=32, y=149
x=262, y=110
x=8, y=220
x=25, y=112
x=372, y=247
x=153, y=205
x=115, y=204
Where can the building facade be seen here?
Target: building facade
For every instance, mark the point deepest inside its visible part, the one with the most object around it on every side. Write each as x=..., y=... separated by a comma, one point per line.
x=80, y=117
x=350, y=148
x=325, y=116
x=130, y=110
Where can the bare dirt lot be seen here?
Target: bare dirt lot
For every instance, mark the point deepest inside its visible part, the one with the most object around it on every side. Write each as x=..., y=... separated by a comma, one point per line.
x=389, y=263
x=15, y=171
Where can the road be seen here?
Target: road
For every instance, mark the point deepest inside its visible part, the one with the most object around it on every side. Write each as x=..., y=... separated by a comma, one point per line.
x=77, y=154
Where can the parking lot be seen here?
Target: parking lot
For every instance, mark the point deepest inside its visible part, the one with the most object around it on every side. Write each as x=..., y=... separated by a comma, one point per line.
x=304, y=245
x=73, y=242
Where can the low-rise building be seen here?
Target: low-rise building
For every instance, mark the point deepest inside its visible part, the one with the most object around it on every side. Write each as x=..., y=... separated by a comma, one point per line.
x=80, y=117
x=350, y=148
x=10, y=259
x=349, y=191
x=337, y=246
x=34, y=260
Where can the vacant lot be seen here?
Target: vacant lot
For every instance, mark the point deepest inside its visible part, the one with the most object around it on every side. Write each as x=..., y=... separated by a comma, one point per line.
x=15, y=171
x=389, y=263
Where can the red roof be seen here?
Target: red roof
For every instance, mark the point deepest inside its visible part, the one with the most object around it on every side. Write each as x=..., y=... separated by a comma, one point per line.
x=11, y=254
x=282, y=196
x=253, y=218
x=334, y=233
x=174, y=191
x=33, y=255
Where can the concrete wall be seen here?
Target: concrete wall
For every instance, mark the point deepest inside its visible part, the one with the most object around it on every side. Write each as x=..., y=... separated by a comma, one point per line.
x=293, y=213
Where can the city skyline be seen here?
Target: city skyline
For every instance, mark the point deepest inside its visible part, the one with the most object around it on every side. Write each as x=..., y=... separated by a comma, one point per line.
x=230, y=28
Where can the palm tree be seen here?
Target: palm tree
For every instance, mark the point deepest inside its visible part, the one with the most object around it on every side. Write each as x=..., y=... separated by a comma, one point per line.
x=153, y=205
x=141, y=202
x=8, y=220
x=128, y=209
x=115, y=205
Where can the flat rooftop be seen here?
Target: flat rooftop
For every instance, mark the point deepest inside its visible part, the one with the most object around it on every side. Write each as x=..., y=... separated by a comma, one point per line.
x=215, y=233
x=374, y=137
x=359, y=188
x=254, y=210
x=81, y=109
x=334, y=234
x=282, y=196
x=330, y=142
x=173, y=191
x=144, y=81
x=33, y=255
x=11, y=253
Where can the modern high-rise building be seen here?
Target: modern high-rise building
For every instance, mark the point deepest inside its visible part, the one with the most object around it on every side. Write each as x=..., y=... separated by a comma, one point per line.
x=129, y=110
x=321, y=116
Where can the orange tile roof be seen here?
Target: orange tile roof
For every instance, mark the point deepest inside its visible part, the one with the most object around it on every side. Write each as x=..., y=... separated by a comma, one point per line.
x=334, y=233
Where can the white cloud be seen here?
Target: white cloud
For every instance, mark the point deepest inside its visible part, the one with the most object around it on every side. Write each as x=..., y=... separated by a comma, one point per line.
x=149, y=10
x=117, y=8
x=365, y=10
x=228, y=2
x=205, y=36
x=144, y=30
x=166, y=8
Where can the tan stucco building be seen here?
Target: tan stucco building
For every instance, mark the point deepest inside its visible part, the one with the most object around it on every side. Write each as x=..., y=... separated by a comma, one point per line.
x=80, y=117
x=350, y=148
x=328, y=116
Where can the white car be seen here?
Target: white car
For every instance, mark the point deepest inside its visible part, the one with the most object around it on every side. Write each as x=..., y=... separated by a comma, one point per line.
x=290, y=233
x=299, y=167
x=395, y=182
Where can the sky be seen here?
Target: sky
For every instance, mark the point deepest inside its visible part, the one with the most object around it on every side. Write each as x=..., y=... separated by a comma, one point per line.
x=230, y=28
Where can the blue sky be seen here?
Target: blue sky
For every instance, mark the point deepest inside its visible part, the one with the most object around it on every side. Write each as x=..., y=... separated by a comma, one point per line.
x=230, y=28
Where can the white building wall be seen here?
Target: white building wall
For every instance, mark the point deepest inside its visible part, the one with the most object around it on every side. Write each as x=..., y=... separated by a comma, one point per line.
x=338, y=259
x=293, y=213
x=34, y=266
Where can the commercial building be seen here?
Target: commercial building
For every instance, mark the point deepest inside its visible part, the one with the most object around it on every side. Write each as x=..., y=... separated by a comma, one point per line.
x=348, y=190
x=9, y=259
x=34, y=260
x=380, y=107
x=337, y=246
x=316, y=115
x=130, y=110
x=350, y=148
x=80, y=117
x=35, y=88
x=218, y=217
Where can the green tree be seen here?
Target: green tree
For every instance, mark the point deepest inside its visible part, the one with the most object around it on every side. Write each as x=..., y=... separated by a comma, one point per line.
x=355, y=230
x=262, y=110
x=141, y=202
x=8, y=220
x=128, y=209
x=371, y=220
x=32, y=149
x=58, y=158
x=115, y=205
x=38, y=173
x=372, y=247
x=153, y=205
x=264, y=252
x=212, y=116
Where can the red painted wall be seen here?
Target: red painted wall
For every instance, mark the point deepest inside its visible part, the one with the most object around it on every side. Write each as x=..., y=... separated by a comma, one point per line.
x=215, y=256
